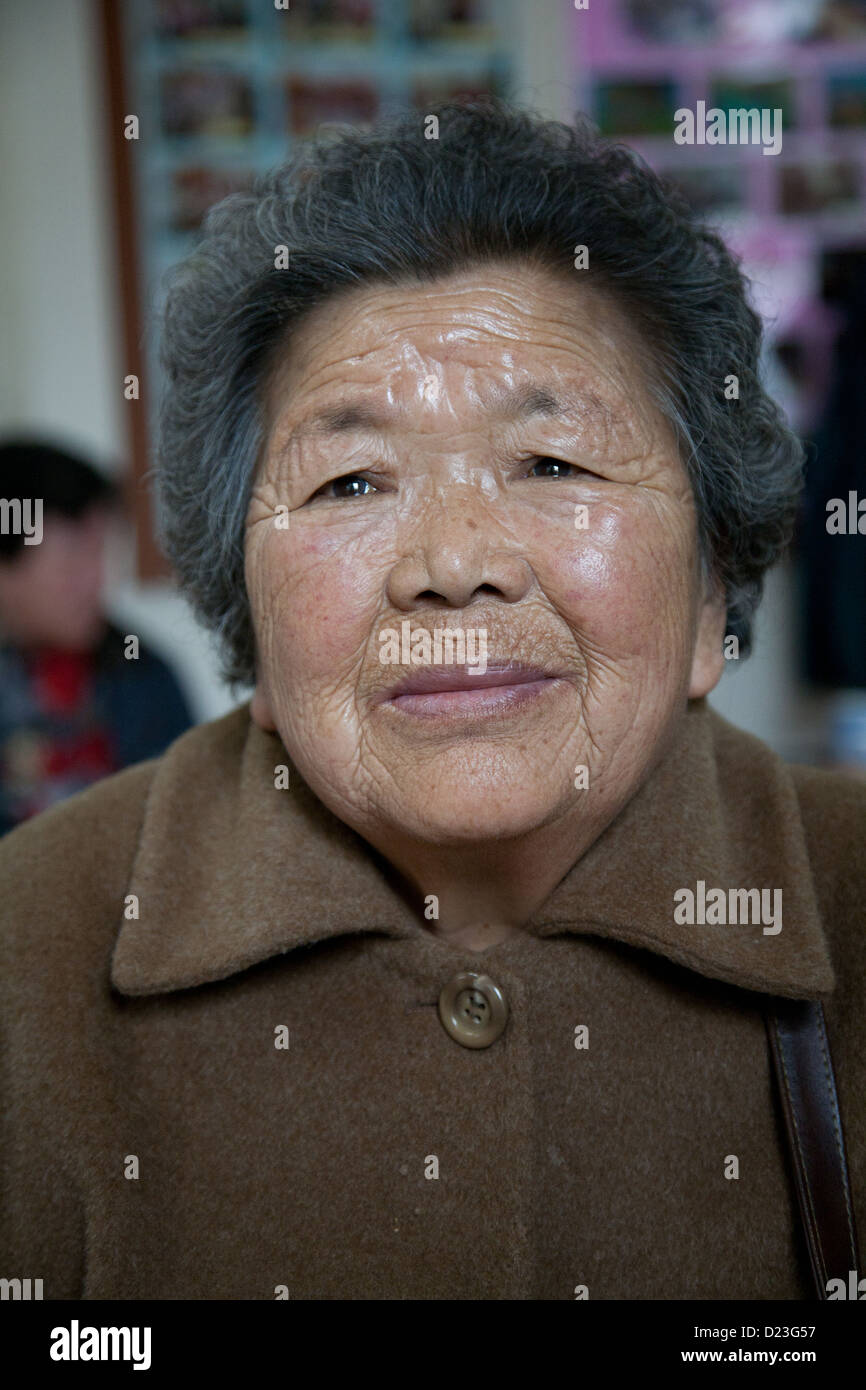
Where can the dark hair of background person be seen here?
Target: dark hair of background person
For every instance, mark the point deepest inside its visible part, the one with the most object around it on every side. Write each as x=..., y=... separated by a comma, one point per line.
x=65, y=482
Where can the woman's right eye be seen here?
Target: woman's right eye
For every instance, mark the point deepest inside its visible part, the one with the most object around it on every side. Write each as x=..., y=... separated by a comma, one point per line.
x=350, y=485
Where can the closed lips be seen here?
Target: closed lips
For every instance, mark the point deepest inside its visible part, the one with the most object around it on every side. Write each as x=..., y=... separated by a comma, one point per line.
x=434, y=680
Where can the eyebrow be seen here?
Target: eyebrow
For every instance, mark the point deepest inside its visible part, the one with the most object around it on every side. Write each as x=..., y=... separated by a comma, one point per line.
x=518, y=403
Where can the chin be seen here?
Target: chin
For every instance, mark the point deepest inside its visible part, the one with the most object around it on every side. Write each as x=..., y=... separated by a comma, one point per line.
x=459, y=816
x=75, y=642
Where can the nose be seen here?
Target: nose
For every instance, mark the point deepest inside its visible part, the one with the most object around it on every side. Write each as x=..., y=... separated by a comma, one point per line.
x=458, y=554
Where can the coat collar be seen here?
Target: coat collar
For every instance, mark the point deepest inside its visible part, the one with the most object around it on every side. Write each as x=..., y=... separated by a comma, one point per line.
x=230, y=871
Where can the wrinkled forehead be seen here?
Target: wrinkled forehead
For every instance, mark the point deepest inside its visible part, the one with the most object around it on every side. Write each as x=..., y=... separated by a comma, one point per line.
x=493, y=342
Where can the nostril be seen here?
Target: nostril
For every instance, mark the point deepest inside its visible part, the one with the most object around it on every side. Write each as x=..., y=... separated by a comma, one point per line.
x=437, y=600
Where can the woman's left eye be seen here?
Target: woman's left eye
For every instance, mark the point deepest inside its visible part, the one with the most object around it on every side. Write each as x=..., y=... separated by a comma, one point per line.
x=553, y=468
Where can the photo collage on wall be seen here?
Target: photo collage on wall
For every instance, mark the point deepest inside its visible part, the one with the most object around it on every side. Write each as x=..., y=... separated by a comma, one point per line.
x=234, y=83
x=647, y=59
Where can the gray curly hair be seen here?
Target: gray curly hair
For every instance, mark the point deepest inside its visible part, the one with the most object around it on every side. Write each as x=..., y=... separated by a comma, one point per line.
x=386, y=205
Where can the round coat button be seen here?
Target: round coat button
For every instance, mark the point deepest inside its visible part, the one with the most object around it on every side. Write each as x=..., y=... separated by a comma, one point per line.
x=473, y=1009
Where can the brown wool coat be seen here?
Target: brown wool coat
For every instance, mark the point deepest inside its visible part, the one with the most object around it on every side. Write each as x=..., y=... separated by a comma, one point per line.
x=305, y=1167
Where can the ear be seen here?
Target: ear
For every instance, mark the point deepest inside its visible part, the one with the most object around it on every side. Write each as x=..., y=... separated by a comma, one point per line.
x=260, y=709
x=708, y=660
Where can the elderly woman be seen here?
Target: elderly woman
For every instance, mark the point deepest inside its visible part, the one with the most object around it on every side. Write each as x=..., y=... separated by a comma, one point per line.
x=441, y=967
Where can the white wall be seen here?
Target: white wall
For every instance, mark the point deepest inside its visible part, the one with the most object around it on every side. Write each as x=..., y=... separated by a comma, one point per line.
x=59, y=344
x=60, y=363
x=763, y=694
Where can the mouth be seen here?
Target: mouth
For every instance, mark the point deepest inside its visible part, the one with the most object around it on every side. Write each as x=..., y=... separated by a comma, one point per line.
x=453, y=691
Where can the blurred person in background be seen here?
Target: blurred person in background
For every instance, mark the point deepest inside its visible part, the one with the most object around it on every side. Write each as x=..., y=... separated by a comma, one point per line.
x=73, y=706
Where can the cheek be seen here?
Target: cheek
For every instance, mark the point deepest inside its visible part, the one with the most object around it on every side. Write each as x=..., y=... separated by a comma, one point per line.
x=624, y=581
x=49, y=584
x=316, y=602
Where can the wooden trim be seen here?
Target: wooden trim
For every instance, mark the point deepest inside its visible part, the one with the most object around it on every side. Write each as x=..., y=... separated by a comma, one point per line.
x=150, y=562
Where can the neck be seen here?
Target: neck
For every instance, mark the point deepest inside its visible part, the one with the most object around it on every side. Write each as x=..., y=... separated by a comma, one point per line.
x=486, y=892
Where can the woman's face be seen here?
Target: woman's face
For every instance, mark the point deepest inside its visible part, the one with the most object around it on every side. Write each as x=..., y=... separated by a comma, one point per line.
x=478, y=454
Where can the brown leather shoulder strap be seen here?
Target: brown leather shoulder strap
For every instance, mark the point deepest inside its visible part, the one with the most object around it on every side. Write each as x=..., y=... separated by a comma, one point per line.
x=800, y=1050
